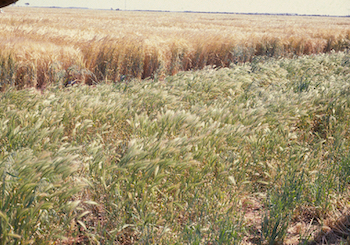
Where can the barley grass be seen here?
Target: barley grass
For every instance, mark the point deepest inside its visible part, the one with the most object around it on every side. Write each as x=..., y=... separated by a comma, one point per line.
x=255, y=153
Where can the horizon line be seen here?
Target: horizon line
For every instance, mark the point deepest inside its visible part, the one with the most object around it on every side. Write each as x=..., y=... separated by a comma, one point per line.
x=184, y=11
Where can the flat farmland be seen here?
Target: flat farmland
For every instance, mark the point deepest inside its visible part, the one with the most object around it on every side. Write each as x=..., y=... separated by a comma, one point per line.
x=106, y=45
x=194, y=129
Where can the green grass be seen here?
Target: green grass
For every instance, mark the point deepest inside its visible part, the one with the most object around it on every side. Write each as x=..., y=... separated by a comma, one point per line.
x=179, y=161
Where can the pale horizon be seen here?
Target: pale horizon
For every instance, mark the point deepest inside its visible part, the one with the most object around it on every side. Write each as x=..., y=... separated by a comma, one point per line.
x=308, y=7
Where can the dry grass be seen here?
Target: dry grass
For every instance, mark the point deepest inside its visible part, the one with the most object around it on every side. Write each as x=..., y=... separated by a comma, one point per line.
x=112, y=45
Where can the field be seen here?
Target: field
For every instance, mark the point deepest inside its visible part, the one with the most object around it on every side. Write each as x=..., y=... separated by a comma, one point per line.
x=255, y=151
x=41, y=46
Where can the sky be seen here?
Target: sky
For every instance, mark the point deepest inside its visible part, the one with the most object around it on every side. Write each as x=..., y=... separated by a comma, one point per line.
x=319, y=7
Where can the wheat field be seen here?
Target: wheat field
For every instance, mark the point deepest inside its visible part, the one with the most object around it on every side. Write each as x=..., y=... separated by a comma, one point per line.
x=41, y=46
x=238, y=133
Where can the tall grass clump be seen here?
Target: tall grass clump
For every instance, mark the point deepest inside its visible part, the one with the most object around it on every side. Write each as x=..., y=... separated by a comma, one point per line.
x=35, y=203
x=7, y=70
x=37, y=169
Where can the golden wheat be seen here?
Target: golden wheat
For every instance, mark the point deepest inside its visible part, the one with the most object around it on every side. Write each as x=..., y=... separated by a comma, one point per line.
x=108, y=45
